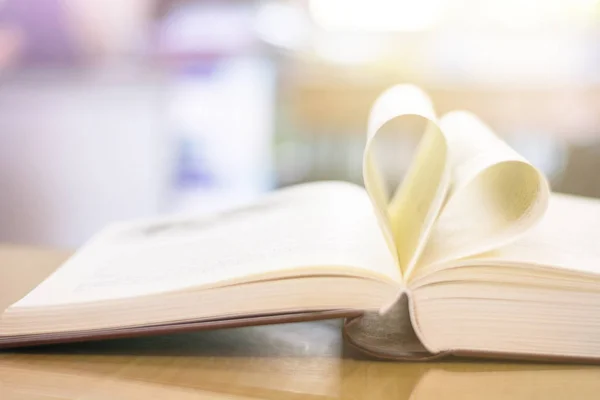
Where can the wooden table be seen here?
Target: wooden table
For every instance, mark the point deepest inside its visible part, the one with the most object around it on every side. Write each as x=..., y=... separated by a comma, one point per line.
x=293, y=361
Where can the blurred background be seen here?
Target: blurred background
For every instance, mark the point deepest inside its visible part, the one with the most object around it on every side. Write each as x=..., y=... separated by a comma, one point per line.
x=115, y=109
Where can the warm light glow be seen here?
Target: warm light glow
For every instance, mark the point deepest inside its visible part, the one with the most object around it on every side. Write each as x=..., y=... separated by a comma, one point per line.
x=421, y=15
x=282, y=25
x=528, y=14
x=350, y=49
x=376, y=15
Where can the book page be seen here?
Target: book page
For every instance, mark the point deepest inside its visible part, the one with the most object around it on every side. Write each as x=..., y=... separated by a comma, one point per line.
x=496, y=195
x=567, y=239
x=408, y=217
x=320, y=228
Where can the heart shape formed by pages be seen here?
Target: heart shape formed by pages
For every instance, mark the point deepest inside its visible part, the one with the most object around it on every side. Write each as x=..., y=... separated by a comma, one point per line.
x=466, y=192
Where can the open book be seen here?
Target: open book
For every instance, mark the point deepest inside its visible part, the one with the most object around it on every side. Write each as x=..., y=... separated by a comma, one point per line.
x=470, y=255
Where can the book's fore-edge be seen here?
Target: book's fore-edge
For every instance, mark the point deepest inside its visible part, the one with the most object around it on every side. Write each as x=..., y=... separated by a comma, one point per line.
x=392, y=336
x=192, y=326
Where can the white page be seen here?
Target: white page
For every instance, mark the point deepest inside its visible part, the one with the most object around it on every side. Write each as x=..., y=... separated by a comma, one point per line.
x=568, y=237
x=310, y=227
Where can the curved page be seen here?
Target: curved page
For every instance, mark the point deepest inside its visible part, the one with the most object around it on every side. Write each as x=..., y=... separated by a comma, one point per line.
x=408, y=218
x=496, y=194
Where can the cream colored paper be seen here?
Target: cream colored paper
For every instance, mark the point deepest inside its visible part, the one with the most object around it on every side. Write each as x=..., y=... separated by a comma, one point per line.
x=466, y=192
x=407, y=219
x=567, y=240
x=496, y=195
